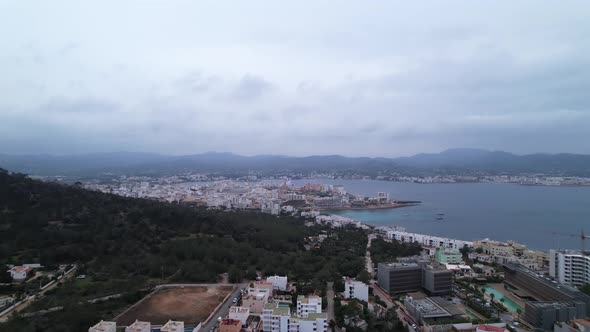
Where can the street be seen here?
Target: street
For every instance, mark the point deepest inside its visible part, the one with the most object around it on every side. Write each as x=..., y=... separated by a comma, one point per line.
x=330, y=296
x=223, y=309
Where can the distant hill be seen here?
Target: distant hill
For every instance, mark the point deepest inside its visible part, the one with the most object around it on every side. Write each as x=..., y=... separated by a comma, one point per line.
x=451, y=161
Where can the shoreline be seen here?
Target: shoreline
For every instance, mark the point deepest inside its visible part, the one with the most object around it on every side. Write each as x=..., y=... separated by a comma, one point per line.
x=375, y=207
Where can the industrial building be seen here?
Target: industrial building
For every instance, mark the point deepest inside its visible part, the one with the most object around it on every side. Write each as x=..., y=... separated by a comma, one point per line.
x=408, y=277
x=431, y=309
x=549, y=301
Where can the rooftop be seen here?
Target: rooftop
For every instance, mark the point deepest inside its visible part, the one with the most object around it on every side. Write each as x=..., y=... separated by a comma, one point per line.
x=429, y=308
x=489, y=328
x=564, y=289
x=102, y=326
x=240, y=310
x=138, y=326
x=231, y=322
x=278, y=309
x=173, y=326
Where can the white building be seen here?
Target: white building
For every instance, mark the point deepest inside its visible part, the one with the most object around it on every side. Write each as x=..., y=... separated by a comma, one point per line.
x=570, y=267
x=104, y=326
x=271, y=207
x=277, y=317
x=19, y=273
x=239, y=313
x=356, y=289
x=295, y=197
x=173, y=326
x=428, y=240
x=278, y=282
x=311, y=323
x=138, y=326
x=308, y=305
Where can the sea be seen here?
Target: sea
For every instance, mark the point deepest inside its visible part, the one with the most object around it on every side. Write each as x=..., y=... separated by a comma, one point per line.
x=541, y=217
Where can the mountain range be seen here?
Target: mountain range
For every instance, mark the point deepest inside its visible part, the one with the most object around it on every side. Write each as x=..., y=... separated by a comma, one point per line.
x=453, y=161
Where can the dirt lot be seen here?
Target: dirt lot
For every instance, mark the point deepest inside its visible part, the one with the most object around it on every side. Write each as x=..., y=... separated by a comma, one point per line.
x=190, y=304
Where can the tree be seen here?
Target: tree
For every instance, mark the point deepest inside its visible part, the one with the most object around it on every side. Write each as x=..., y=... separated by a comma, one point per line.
x=4, y=275
x=585, y=289
x=364, y=276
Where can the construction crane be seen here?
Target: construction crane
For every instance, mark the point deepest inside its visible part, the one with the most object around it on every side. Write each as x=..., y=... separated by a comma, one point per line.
x=583, y=237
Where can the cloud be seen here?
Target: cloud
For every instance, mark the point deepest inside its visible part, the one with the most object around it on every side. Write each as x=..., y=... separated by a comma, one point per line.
x=381, y=79
x=251, y=88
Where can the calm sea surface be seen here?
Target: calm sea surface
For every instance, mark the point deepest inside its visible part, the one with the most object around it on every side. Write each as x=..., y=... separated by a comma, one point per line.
x=540, y=217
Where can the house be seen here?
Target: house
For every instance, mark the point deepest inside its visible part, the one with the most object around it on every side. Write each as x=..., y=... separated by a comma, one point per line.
x=138, y=326
x=173, y=326
x=230, y=325
x=278, y=282
x=356, y=289
x=19, y=273
x=104, y=326
x=239, y=313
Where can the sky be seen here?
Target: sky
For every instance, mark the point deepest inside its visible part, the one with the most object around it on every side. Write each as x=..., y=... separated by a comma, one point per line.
x=356, y=78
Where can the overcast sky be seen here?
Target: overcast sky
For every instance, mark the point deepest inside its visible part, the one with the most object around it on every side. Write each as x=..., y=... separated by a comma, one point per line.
x=357, y=78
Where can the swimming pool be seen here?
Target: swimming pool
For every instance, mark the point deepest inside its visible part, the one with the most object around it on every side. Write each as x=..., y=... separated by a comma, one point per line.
x=508, y=303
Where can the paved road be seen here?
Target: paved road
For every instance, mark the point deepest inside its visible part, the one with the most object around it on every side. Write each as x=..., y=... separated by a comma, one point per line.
x=382, y=294
x=223, y=310
x=330, y=296
x=370, y=268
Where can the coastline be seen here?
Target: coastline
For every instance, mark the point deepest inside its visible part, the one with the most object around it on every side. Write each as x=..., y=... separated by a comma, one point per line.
x=374, y=207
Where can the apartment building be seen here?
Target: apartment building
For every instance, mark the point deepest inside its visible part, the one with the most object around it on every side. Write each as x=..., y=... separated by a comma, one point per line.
x=104, y=326
x=448, y=256
x=277, y=317
x=354, y=289
x=278, y=282
x=254, y=302
x=230, y=325
x=239, y=313
x=571, y=267
x=427, y=240
x=308, y=305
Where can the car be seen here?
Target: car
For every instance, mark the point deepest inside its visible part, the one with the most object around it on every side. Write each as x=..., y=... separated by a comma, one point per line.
x=235, y=299
x=219, y=319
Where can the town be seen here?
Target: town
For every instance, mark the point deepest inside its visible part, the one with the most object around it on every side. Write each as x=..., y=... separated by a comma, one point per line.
x=447, y=285
x=281, y=197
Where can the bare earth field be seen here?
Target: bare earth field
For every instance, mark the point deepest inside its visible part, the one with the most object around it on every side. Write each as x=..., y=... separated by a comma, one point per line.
x=189, y=304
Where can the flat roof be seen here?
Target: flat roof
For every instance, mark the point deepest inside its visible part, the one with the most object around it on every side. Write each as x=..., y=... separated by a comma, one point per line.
x=564, y=289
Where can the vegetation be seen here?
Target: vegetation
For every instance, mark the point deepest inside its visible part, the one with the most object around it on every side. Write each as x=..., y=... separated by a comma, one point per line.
x=125, y=245
x=384, y=251
x=585, y=289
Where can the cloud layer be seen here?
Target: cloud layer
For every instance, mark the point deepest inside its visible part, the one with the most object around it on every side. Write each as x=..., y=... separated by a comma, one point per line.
x=383, y=78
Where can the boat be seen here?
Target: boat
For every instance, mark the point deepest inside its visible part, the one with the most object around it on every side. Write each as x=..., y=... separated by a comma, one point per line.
x=405, y=214
x=439, y=218
x=440, y=214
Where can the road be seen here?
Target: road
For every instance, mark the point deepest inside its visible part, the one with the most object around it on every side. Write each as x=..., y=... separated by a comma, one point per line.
x=223, y=309
x=370, y=268
x=330, y=296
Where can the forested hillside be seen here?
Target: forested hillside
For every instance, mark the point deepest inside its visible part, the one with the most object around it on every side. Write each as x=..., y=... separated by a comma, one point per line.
x=125, y=244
